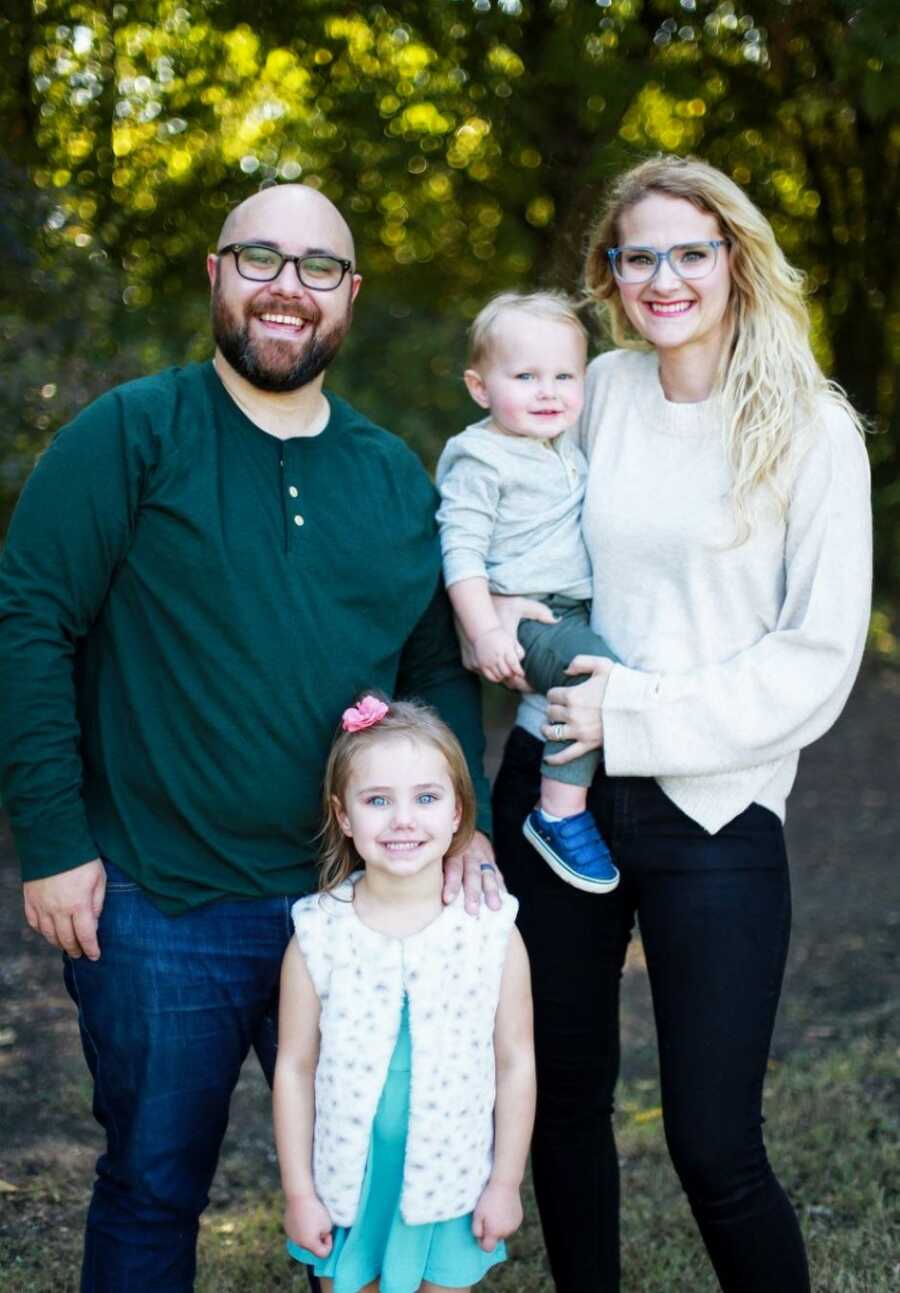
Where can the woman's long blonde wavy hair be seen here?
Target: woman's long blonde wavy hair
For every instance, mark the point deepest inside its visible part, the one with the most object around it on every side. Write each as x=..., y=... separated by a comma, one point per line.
x=768, y=382
x=415, y=722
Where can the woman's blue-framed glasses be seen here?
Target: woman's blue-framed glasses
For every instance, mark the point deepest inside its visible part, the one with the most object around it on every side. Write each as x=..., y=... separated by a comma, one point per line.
x=686, y=259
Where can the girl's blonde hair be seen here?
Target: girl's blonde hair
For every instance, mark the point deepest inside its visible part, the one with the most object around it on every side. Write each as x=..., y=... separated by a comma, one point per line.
x=553, y=305
x=769, y=382
x=404, y=718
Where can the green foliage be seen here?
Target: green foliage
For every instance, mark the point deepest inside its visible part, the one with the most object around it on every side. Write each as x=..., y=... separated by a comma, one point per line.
x=467, y=140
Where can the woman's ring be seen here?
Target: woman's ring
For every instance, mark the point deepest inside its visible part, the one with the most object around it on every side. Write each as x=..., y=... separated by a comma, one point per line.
x=557, y=730
x=487, y=866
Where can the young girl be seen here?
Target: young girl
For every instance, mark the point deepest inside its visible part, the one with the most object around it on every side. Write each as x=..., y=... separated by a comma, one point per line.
x=404, y=1087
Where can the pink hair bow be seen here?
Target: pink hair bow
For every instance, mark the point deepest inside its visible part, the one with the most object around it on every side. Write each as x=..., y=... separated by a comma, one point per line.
x=369, y=711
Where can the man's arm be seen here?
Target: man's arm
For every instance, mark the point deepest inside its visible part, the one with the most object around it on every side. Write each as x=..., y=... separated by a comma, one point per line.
x=431, y=670
x=70, y=530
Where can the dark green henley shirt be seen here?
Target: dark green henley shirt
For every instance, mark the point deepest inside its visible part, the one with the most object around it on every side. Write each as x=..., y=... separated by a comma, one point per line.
x=187, y=605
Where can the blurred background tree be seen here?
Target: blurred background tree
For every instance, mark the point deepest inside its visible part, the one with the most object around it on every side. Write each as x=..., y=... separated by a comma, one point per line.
x=469, y=142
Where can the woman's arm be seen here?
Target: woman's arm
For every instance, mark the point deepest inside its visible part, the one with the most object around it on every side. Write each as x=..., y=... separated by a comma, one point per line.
x=306, y=1220
x=499, y=1210
x=785, y=690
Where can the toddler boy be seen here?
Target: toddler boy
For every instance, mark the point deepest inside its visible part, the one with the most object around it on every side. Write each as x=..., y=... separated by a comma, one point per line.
x=511, y=488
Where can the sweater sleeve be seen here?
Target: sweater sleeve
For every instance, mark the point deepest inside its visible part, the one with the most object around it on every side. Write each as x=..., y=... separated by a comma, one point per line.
x=70, y=530
x=431, y=670
x=787, y=689
x=470, y=495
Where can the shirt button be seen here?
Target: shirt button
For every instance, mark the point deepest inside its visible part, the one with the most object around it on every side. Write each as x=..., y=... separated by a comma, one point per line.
x=293, y=491
x=298, y=520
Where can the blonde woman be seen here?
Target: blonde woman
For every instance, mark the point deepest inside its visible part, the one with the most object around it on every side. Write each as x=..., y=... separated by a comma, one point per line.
x=727, y=519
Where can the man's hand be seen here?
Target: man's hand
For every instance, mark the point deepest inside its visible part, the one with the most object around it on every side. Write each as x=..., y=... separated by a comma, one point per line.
x=307, y=1222
x=65, y=908
x=497, y=1214
x=473, y=869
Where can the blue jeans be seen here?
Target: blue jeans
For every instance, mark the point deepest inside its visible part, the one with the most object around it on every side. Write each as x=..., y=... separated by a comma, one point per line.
x=167, y=1017
x=714, y=914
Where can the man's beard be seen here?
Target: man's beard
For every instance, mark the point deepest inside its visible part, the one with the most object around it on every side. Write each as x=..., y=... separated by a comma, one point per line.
x=246, y=356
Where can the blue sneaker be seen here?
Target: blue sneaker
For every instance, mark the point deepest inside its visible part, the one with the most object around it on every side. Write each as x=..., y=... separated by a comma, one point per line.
x=574, y=849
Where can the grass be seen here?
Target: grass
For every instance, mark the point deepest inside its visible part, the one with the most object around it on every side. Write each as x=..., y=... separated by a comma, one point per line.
x=832, y=1132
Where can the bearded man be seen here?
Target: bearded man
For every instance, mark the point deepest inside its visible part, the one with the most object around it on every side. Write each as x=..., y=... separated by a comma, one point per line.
x=204, y=569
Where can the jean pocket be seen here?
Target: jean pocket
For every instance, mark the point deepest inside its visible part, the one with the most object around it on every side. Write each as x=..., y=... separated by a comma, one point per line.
x=117, y=880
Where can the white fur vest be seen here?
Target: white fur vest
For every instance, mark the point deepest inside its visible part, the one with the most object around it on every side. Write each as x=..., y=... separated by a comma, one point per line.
x=450, y=972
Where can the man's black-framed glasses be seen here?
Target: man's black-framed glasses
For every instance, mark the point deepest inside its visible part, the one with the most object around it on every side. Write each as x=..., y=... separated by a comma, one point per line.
x=686, y=259
x=263, y=264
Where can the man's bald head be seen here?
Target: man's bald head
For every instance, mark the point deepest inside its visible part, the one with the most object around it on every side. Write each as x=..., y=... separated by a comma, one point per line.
x=292, y=213
x=278, y=333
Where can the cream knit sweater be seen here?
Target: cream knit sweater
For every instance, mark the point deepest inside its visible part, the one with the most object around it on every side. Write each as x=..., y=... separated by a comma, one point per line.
x=734, y=657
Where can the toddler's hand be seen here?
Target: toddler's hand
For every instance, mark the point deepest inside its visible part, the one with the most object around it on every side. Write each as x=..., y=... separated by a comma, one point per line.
x=497, y=655
x=307, y=1222
x=497, y=1214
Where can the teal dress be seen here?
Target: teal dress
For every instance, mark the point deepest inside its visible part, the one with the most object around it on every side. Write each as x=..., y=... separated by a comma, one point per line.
x=380, y=1244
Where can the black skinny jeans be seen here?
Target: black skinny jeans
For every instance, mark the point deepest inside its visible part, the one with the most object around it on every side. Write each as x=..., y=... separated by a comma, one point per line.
x=715, y=920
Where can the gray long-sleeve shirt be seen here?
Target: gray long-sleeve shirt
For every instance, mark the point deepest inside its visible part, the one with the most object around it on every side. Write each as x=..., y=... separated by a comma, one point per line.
x=511, y=513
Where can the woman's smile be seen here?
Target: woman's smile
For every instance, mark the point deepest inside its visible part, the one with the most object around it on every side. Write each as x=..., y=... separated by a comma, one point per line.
x=668, y=309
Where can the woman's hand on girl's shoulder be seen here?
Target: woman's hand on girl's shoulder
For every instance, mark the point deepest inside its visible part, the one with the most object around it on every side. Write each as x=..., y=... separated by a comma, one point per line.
x=307, y=1223
x=497, y=1214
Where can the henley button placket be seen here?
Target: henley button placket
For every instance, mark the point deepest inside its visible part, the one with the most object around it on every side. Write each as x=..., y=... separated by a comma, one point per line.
x=289, y=475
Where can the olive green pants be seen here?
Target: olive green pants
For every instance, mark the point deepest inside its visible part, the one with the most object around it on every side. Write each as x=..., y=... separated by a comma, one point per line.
x=549, y=649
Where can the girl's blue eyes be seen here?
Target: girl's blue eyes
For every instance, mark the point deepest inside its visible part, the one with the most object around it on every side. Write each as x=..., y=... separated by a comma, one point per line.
x=381, y=801
x=559, y=377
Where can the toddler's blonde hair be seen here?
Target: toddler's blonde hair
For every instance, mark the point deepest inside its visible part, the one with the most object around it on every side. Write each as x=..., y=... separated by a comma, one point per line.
x=556, y=306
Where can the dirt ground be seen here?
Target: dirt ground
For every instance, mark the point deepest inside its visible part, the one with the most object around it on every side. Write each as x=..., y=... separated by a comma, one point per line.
x=843, y=979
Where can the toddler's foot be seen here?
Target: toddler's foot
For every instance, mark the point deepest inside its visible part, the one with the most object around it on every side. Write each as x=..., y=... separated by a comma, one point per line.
x=574, y=849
